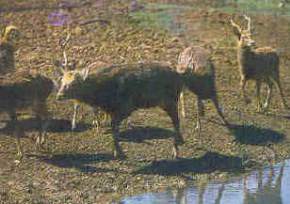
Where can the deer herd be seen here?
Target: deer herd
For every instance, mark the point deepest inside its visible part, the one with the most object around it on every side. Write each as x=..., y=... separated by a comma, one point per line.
x=118, y=90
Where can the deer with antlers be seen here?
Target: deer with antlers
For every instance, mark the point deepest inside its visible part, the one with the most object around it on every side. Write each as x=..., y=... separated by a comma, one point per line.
x=7, y=48
x=258, y=64
x=121, y=89
x=198, y=71
x=66, y=70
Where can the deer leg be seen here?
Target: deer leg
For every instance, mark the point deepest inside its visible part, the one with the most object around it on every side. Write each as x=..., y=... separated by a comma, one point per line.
x=258, y=88
x=16, y=127
x=181, y=103
x=118, y=153
x=199, y=112
x=269, y=96
x=73, y=122
x=278, y=85
x=172, y=110
x=42, y=117
x=243, y=85
x=218, y=110
x=97, y=120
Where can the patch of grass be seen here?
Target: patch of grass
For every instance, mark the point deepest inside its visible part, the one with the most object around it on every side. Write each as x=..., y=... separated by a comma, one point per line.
x=161, y=16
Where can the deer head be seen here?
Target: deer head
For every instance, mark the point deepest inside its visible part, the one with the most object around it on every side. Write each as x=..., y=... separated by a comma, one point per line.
x=244, y=35
x=67, y=74
x=11, y=34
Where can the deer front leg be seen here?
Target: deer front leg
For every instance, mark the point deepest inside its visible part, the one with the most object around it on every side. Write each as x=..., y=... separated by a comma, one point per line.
x=17, y=134
x=269, y=96
x=42, y=116
x=199, y=112
x=117, y=151
x=172, y=111
x=243, y=85
x=181, y=103
x=258, y=88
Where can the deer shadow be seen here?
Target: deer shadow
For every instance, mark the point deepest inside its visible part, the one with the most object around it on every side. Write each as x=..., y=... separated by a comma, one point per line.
x=54, y=126
x=140, y=134
x=81, y=162
x=208, y=163
x=253, y=135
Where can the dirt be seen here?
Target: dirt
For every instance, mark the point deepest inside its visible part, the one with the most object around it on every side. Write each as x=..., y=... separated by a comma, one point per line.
x=78, y=167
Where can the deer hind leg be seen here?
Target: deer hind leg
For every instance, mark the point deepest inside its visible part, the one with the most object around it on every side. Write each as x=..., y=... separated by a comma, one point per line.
x=269, y=95
x=218, y=110
x=278, y=85
x=172, y=110
x=117, y=151
x=258, y=88
x=181, y=103
x=243, y=83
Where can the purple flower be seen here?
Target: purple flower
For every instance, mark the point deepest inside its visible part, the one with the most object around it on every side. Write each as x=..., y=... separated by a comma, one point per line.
x=58, y=19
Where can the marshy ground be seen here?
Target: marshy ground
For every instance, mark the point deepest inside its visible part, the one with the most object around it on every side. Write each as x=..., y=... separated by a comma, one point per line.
x=78, y=166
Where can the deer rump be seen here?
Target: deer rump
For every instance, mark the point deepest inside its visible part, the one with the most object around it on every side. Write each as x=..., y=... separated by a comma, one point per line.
x=120, y=90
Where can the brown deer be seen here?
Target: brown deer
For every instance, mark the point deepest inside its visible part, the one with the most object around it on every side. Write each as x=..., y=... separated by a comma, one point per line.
x=121, y=89
x=258, y=64
x=66, y=69
x=22, y=90
x=198, y=72
x=7, y=48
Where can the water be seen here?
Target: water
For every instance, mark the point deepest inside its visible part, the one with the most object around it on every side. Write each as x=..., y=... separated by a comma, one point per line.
x=270, y=185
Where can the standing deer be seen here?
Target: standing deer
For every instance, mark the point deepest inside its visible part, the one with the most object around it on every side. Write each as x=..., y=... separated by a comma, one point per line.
x=22, y=91
x=258, y=64
x=10, y=35
x=120, y=90
x=198, y=72
x=64, y=69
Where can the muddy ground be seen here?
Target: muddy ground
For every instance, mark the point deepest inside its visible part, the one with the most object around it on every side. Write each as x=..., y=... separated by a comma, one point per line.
x=78, y=167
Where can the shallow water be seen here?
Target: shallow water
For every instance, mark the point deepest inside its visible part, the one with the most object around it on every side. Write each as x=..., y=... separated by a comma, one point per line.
x=270, y=185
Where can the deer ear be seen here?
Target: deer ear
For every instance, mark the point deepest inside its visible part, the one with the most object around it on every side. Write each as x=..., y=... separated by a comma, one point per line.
x=84, y=73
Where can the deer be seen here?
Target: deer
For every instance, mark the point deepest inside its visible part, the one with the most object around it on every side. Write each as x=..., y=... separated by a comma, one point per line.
x=64, y=68
x=7, y=48
x=198, y=71
x=22, y=90
x=260, y=64
x=121, y=89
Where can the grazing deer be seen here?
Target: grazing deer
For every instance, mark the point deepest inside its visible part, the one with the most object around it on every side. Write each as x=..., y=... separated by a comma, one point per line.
x=198, y=72
x=21, y=91
x=120, y=90
x=258, y=64
x=10, y=35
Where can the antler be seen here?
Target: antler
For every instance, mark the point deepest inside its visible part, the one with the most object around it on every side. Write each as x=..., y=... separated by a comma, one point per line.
x=63, y=44
x=249, y=23
x=235, y=25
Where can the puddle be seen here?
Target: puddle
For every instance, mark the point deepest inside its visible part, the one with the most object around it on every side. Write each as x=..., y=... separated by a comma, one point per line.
x=266, y=186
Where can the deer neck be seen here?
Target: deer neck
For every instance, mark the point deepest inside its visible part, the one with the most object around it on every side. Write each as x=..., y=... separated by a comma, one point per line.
x=245, y=54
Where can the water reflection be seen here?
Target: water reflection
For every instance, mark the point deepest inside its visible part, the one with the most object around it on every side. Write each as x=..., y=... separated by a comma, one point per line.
x=266, y=186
